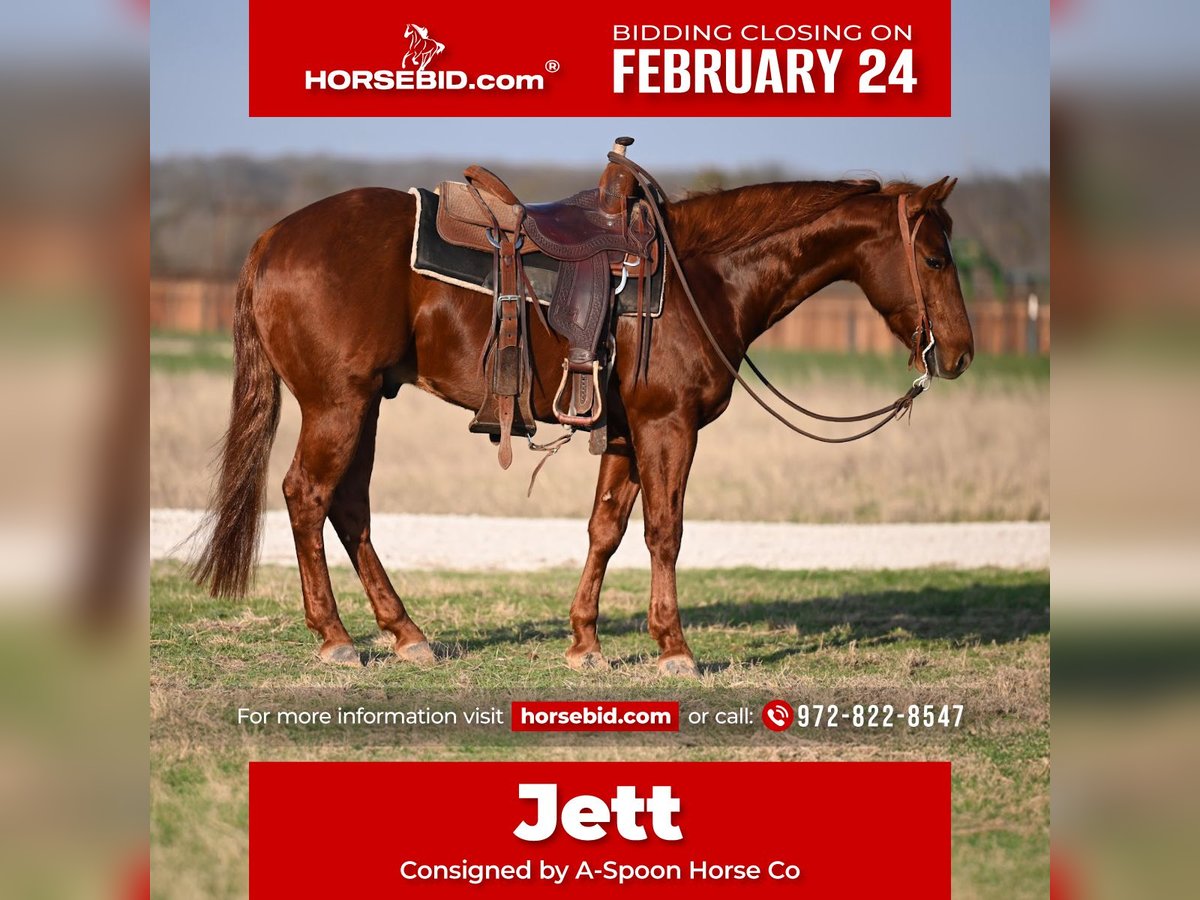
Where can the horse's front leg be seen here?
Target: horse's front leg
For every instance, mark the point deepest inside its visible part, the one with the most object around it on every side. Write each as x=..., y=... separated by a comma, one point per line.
x=665, y=448
x=616, y=489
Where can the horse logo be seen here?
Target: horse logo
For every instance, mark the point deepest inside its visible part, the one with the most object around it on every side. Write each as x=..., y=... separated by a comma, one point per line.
x=421, y=47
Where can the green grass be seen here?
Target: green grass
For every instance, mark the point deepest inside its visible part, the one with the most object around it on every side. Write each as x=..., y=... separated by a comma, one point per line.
x=176, y=352
x=980, y=638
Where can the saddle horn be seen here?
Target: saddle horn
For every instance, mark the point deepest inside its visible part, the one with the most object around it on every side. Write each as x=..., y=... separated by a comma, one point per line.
x=617, y=184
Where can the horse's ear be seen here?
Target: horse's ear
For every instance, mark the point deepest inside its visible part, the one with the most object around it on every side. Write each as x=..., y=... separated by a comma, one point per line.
x=923, y=199
x=946, y=189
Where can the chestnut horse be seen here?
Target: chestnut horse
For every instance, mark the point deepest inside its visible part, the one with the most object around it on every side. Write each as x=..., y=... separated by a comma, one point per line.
x=328, y=304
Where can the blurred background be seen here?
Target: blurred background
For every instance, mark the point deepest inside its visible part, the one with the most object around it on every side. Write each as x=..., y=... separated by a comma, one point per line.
x=1126, y=574
x=74, y=251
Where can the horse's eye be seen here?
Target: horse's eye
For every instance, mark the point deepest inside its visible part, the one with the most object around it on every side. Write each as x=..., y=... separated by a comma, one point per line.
x=933, y=262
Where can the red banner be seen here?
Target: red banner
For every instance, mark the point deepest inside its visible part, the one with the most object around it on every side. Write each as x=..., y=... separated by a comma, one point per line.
x=382, y=58
x=595, y=715
x=545, y=829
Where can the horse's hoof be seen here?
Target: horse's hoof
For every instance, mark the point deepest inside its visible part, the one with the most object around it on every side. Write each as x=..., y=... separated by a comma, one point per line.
x=678, y=667
x=588, y=661
x=420, y=653
x=341, y=655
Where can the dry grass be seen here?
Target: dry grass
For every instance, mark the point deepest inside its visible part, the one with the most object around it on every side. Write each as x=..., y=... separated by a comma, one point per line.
x=972, y=452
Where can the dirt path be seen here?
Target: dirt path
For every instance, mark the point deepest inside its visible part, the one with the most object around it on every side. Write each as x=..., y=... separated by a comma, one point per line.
x=477, y=542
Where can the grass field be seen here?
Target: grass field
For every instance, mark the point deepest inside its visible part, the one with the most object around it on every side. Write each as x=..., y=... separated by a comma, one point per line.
x=980, y=638
x=976, y=449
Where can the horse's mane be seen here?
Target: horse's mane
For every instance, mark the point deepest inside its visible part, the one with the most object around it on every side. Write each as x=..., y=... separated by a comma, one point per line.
x=720, y=221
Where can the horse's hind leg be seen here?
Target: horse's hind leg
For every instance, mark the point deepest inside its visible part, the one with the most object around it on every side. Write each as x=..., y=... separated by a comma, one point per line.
x=616, y=490
x=328, y=440
x=350, y=514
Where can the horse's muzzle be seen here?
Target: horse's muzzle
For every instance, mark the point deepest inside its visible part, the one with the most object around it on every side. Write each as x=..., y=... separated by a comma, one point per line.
x=954, y=369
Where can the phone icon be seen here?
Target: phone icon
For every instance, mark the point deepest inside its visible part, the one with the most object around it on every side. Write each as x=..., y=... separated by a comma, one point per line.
x=777, y=715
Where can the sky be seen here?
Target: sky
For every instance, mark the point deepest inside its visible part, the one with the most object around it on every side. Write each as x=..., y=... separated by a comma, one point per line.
x=1100, y=43
x=1000, y=121
x=59, y=31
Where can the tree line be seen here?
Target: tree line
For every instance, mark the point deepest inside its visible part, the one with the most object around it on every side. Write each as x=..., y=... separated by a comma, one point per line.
x=205, y=212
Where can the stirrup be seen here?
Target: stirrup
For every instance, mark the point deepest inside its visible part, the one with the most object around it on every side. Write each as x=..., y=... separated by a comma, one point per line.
x=491, y=235
x=579, y=421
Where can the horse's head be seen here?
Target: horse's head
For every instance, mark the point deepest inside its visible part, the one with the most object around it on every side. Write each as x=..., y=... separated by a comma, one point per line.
x=914, y=241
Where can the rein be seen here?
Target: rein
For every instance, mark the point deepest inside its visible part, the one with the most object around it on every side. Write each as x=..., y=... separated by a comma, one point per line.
x=894, y=410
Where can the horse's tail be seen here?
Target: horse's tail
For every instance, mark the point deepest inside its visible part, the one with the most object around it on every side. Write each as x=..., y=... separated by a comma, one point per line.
x=235, y=511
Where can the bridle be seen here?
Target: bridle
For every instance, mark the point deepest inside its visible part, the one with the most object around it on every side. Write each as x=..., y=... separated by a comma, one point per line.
x=657, y=200
x=910, y=253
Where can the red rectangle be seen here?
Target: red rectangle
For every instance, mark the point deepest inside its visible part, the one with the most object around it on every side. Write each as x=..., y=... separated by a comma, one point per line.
x=880, y=58
x=813, y=830
x=597, y=715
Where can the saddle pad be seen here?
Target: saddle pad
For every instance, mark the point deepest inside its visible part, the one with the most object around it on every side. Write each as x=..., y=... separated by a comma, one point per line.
x=472, y=269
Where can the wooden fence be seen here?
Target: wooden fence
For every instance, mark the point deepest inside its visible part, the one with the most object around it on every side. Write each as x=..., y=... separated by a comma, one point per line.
x=193, y=306
x=837, y=319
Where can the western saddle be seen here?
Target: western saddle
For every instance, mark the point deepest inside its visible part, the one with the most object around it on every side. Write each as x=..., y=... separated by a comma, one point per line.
x=603, y=238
